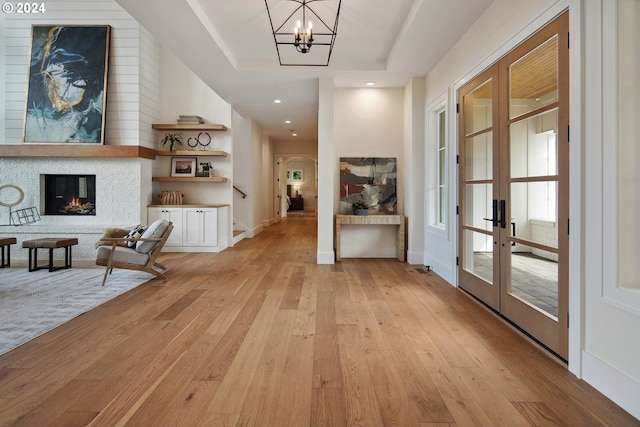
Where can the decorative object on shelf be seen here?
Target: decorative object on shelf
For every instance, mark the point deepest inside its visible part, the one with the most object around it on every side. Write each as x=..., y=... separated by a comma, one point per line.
x=190, y=120
x=173, y=139
x=204, y=170
x=373, y=178
x=299, y=15
x=193, y=142
x=170, y=197
x=361, y=207
x=183, y=166
x=67, y=84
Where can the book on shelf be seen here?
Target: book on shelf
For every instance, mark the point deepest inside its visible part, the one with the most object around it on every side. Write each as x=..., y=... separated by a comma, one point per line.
x=189, y=120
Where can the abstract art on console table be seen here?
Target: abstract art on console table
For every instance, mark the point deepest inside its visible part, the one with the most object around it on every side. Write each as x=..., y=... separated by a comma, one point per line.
x=67, y=85
x=375, y=178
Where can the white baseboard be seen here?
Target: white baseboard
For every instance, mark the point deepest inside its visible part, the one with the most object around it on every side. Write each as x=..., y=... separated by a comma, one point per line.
x=618, y=387
x=415, y=258
x=326, y=257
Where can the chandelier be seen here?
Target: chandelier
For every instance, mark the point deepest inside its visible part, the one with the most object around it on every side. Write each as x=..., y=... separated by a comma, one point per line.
x=300, y=25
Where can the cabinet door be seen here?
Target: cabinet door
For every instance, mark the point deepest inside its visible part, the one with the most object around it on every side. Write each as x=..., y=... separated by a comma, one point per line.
x=209, y=233
x=192, y=220
x=200, y=227
x=173, y=215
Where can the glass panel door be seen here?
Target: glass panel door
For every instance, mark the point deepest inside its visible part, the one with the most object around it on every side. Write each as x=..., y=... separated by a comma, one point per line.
x=534, y=256
x=477, y=208
x=513, y=186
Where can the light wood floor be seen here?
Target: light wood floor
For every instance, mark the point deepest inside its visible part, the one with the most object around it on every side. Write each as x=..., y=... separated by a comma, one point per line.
x=259, y=335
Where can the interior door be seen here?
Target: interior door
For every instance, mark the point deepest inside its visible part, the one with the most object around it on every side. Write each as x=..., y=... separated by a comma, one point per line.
x=514, y=186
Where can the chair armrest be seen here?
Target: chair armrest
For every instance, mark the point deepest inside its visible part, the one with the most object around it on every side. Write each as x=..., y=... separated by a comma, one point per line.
x=130, y=239
x=115, y=240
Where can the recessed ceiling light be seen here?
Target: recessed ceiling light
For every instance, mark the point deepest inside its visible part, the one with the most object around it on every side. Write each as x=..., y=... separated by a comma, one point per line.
x=287, y=121
x=277, y=101
x=370, y=83
x=294, y=134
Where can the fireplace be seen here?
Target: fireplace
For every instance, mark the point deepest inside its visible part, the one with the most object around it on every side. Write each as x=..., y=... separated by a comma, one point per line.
x=69, y=194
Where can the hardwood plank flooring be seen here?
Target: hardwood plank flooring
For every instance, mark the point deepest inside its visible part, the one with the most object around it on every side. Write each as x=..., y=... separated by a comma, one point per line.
x=259, y=335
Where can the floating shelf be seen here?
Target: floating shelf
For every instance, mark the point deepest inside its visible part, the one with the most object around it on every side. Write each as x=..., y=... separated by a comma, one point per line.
x=202, y=127
x=188, y=179
x=194, y=153
x=77, y=151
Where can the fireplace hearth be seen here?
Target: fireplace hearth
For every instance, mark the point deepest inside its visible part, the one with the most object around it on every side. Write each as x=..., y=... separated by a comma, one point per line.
x=69, y=194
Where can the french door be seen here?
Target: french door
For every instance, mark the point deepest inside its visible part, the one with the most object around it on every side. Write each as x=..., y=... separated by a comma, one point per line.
x=514, y=187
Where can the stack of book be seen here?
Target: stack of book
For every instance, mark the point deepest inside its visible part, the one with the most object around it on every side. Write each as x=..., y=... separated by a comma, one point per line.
x=190, y=120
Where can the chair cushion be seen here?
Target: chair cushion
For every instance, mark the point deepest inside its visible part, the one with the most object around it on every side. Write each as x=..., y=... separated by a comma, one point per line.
x=136, y=232
x=122, y=254
x=155, y=230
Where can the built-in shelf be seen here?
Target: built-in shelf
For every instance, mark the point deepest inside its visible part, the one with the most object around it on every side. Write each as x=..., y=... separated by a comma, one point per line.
x=195, y=153
x=76, y=151
x=188, y=179
x=195, y=127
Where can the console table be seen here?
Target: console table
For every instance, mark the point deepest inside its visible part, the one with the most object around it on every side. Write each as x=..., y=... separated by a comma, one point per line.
x=297, y=204
x=373, y=220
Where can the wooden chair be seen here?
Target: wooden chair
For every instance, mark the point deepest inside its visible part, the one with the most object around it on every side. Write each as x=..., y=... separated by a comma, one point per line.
x=142, y=257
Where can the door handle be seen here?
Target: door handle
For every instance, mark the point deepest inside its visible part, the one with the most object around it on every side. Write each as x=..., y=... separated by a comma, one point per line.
x=494, y=220
x=503, y=214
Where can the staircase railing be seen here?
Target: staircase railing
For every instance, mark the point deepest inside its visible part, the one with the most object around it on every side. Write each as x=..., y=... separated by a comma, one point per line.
x=244, y=195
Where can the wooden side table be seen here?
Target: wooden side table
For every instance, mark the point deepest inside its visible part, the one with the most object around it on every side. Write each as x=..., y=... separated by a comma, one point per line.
x=373, y=220
x=50, y=243
x=6, y=243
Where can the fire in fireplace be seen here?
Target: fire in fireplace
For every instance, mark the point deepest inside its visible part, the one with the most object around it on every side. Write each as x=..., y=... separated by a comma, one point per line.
x=69, y=194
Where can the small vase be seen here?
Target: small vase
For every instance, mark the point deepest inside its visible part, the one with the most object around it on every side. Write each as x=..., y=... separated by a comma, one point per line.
x=361, y=211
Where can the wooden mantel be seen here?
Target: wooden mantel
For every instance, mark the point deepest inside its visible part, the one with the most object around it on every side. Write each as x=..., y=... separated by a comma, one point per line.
x=76, y=150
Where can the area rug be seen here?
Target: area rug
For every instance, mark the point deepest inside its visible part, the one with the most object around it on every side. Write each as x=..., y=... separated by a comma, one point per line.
x=32, y=303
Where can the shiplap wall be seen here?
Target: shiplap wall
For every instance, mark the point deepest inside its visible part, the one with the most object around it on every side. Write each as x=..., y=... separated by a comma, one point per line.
x=133, y=80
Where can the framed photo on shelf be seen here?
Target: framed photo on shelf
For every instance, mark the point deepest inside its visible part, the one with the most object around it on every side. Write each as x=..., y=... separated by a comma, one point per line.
x=183, y=166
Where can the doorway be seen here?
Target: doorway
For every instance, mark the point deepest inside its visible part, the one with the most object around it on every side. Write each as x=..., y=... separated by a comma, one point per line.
x=514, y=189
x=297, y=185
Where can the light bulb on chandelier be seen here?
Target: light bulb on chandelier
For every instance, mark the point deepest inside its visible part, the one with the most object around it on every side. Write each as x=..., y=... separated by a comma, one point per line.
x=303, y=40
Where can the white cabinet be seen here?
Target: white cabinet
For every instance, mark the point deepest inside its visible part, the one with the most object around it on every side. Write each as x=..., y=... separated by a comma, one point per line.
x=197, y=228
x=173, y=215
x=200, y=227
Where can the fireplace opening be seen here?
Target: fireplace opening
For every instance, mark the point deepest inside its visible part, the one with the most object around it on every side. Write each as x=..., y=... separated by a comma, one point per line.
x=69, y=194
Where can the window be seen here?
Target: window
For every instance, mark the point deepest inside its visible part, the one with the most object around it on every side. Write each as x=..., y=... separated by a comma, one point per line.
x=437, y=170
x=441, y=201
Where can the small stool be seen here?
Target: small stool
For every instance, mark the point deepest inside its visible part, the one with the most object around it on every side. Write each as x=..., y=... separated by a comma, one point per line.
x=50, y=243
x=6, y=243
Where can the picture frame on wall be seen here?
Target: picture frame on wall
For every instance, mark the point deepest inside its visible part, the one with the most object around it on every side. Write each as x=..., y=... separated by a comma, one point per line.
x=67, y=84
x=370, y=179
x=183, y=166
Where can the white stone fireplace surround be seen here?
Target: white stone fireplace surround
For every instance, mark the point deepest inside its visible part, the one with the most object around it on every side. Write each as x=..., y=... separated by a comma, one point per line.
x=123, y=191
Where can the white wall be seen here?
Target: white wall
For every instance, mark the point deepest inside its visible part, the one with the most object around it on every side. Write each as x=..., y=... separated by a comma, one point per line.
x=414, y=172
x=369, y=122
x=328, y=170
x=611, y=310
